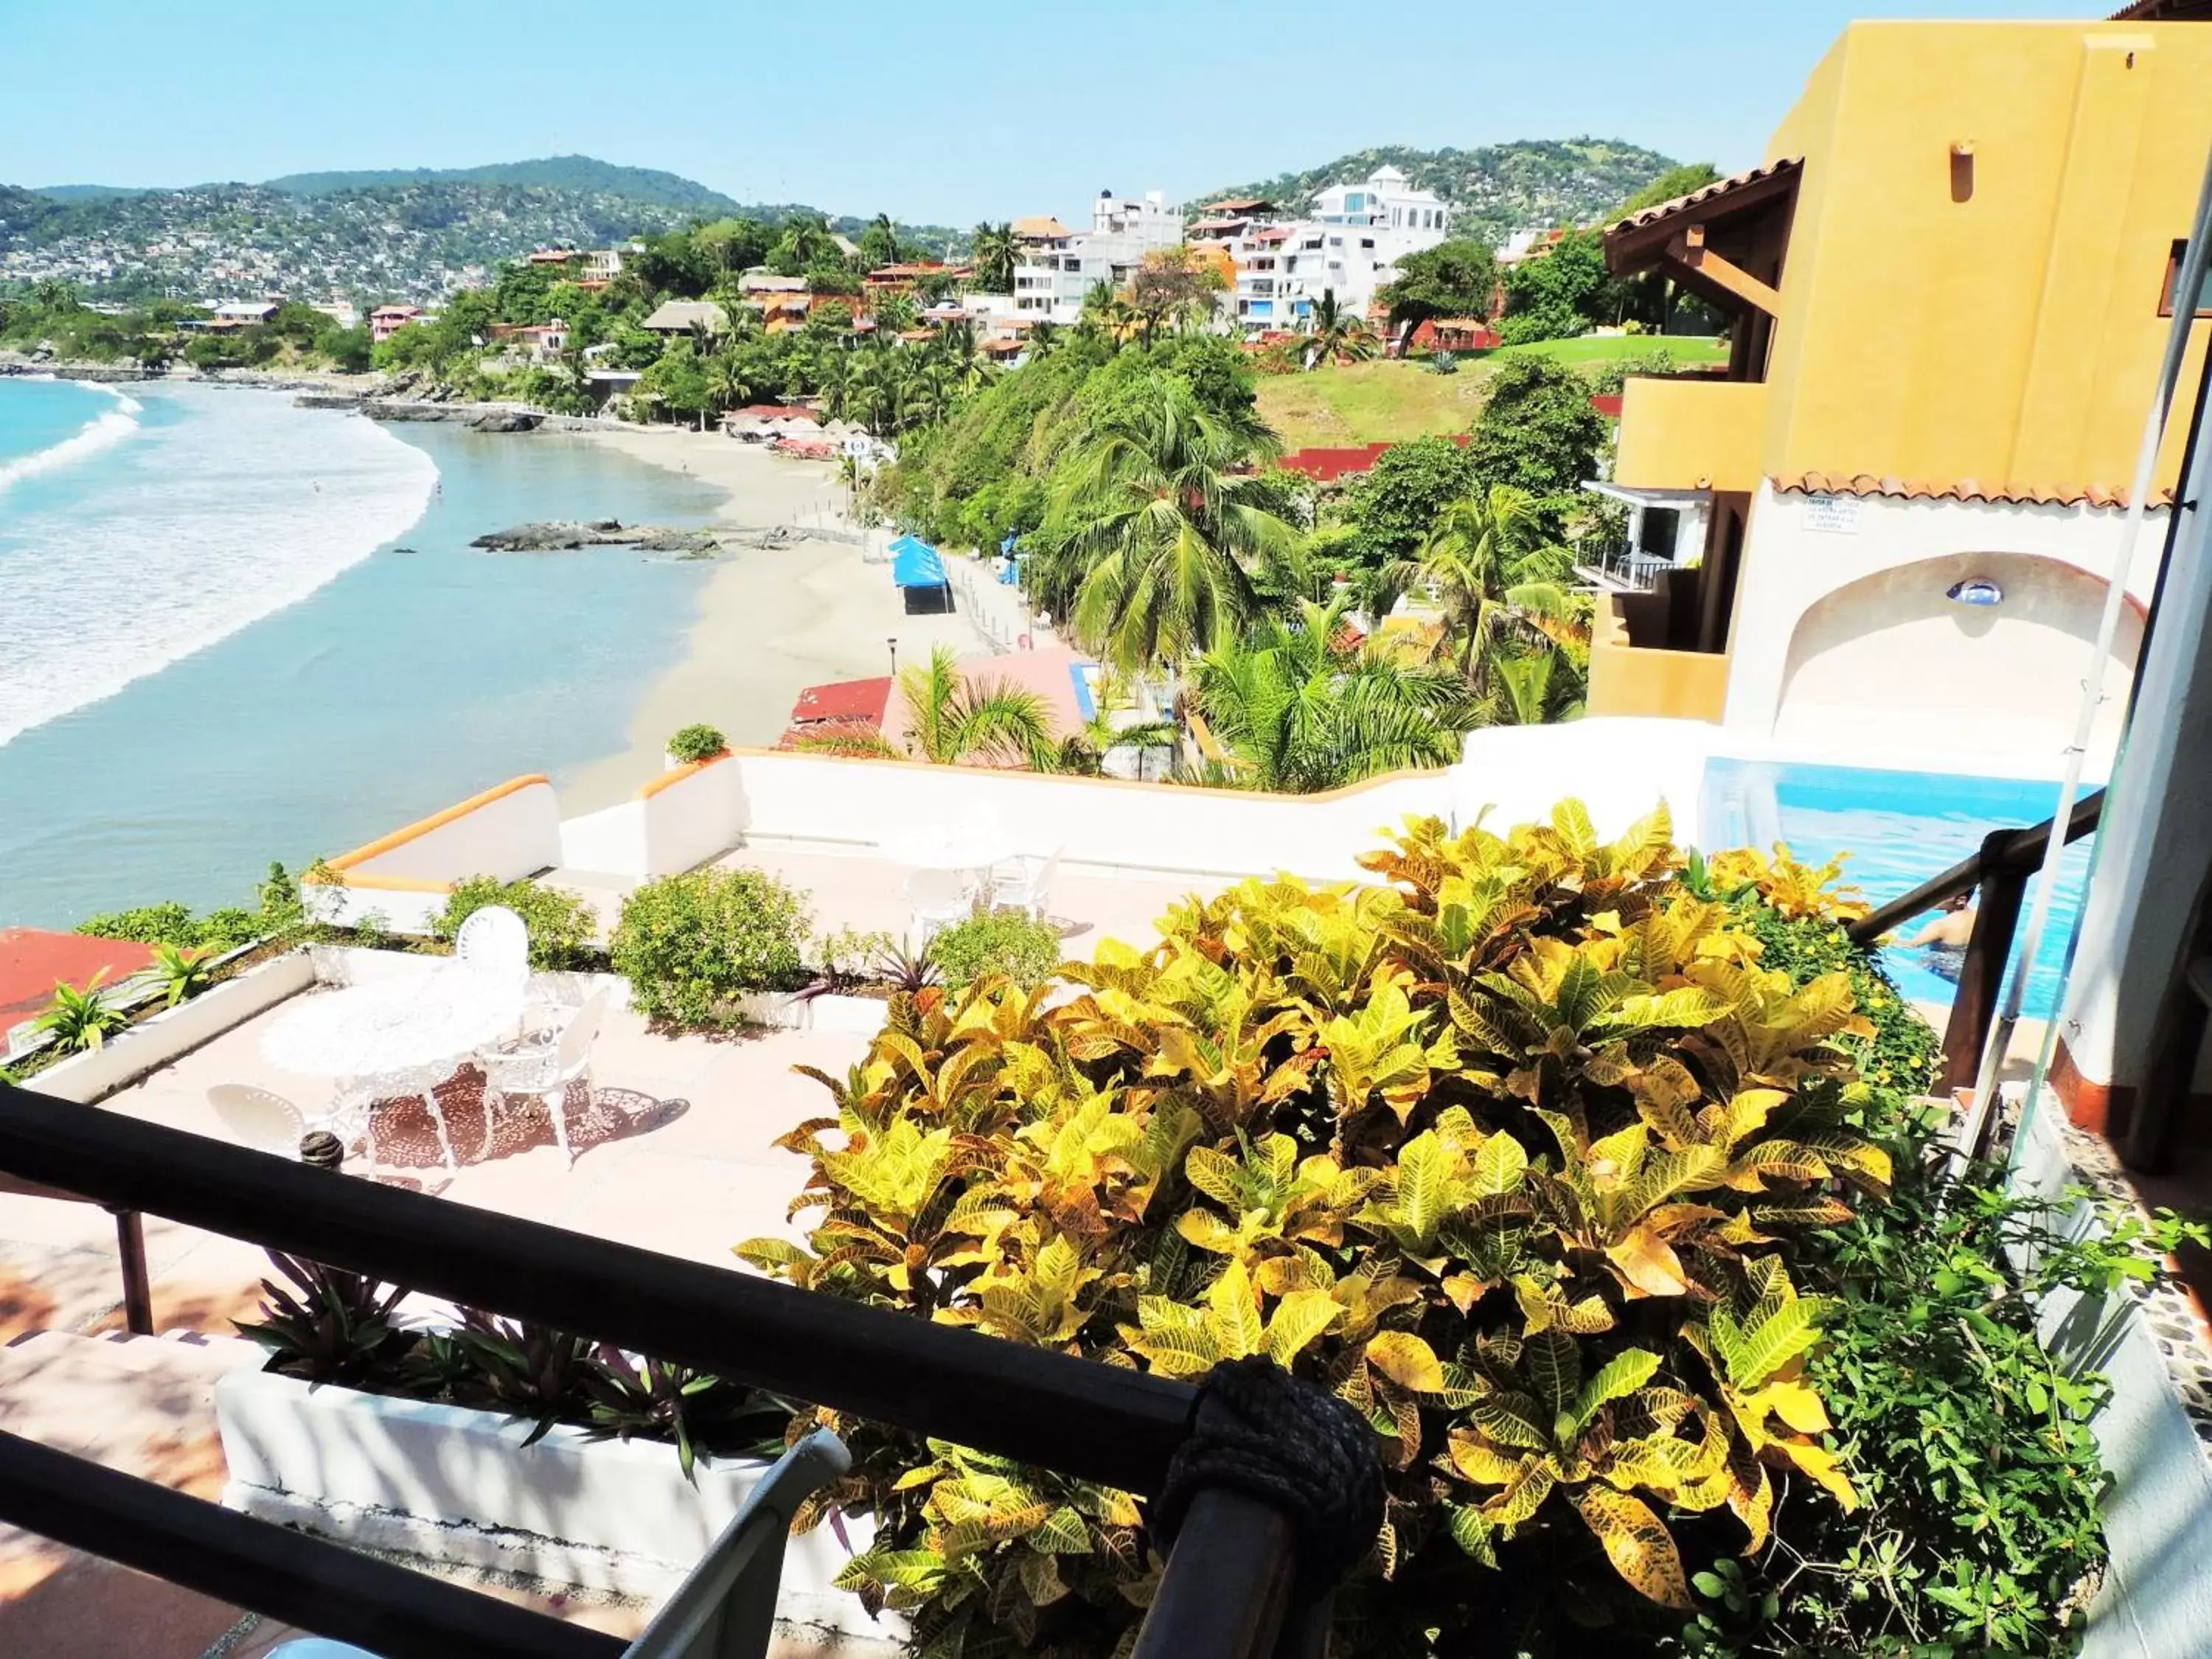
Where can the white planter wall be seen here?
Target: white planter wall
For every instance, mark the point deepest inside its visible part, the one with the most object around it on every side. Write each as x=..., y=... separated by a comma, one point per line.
x=129, y=1054
x=458, y=1486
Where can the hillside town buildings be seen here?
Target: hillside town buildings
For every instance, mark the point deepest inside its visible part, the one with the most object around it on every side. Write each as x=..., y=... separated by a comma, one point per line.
x=1348, y=244
x=1057, y=266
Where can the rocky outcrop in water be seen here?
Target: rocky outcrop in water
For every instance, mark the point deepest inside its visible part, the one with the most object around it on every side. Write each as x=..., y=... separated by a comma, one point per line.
x=560, y=535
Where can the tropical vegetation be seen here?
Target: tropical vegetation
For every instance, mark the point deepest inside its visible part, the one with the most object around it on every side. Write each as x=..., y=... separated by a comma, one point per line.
x=1587, y=1172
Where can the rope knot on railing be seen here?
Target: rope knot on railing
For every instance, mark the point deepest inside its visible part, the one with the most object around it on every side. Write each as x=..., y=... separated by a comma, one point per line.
x=1257, y=1430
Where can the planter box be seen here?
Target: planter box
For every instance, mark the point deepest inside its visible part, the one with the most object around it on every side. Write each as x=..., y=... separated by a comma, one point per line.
x=782, y=1011
x=455, y=1486
x=130, y=1055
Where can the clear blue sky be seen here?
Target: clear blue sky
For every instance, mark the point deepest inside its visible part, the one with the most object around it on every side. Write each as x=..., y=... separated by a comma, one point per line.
x=941, y=113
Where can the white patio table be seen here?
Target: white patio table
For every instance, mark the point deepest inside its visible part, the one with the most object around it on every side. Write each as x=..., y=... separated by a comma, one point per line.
x=975, y=842
x=397, y=1038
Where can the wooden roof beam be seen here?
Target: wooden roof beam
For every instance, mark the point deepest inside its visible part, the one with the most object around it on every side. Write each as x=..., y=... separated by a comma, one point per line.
x=1689, y=257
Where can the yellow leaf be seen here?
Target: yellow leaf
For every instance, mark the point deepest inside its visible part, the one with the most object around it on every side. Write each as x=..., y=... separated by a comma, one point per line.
x=1795, y=1404
x=1822, y=1466
x=1234, y=1313
x=1481, y=1462
x=1408, y=1361
x=1648, y=1264
x=1637, y=1542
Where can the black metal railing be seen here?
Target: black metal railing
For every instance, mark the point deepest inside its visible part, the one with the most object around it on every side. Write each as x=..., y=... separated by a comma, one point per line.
x=1229, y=1591
x=2000, y=869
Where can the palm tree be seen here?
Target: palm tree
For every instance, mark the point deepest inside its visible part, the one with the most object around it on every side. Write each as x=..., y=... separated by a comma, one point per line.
x=1470, y=560
x=1300, y=707
x=1337, y=335
x=1084, y=752
x=1161, y=529
x=992, y=254
x=1106, y=309
x=1533, y=692
x=951, y=718
x=1044, y=338
x=732, y=382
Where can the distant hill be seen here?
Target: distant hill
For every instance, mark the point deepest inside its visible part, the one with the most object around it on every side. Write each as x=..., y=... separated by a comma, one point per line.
x=1498, y=188
x=567, y=172
x=82, y=193
x=396, y=234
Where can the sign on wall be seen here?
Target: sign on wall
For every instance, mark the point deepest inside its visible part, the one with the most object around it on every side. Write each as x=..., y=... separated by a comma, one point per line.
x=1832, y=515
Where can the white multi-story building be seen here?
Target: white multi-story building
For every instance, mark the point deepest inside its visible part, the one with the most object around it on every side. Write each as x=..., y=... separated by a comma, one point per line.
x=1058, y=266
x=1349, y=244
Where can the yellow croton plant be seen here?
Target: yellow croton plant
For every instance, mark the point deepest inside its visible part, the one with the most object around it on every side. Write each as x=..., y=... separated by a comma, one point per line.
x=1508, y=1147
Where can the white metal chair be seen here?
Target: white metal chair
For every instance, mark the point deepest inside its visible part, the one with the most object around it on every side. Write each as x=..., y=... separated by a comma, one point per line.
x=495, y=940
x=940, y=898
x=264, y=1120
x=1025, y=883
x=268, y=1122
x=546, y=1070
x=725, y=1609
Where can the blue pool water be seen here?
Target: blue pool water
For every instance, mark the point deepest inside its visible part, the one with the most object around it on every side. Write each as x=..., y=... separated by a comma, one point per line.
x=1899, y=829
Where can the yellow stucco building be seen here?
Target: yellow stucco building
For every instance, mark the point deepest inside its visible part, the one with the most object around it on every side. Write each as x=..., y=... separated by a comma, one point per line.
x=1891, y=521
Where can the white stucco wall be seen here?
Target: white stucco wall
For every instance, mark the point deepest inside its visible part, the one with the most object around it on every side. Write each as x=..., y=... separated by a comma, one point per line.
x=2155, y=843
x=517, y=835
x=1842, y=633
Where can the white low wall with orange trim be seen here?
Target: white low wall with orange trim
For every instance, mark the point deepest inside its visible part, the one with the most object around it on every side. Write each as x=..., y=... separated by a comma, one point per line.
x=506, y=832
x=680, y=820
x=1102, y=821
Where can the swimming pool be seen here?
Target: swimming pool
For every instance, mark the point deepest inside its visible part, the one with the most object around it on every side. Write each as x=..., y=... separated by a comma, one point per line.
x=1900, y=828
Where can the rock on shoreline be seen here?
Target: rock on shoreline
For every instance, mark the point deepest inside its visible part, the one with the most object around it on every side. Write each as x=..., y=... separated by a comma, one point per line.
x=560, y=535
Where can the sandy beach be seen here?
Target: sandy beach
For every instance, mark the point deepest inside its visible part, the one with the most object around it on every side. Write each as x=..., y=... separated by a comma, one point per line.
x=773, y=621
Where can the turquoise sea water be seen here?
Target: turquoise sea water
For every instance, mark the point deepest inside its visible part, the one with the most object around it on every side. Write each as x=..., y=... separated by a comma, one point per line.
x=232, y=631
x=1899, y=830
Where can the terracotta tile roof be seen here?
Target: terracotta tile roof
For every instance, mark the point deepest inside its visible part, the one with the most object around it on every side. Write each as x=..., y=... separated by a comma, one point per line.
x=1959, y=490
x=1734, y=182
x=32, y=960
x=843, y=700
x=1041, y=225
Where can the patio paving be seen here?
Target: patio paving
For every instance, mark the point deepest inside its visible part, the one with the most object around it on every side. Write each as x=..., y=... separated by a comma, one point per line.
x=674, y=1154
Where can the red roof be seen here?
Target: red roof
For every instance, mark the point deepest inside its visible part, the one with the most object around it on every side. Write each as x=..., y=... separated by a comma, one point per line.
x=774, y=412
x=1272, y=233
x=1327, y=466
x=31, y=960
x=1607, y=403
x=843, y=700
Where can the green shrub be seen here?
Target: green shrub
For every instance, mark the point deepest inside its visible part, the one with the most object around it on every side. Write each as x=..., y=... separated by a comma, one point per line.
x=697, y=743
x=149, y=924
x=691, y=944
x=1519, y=1154
x=1006, y=942
x=79, y=1022
x=562, y=928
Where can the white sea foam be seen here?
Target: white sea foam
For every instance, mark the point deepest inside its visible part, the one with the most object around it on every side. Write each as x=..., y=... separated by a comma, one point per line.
x=231, y=507
x=109, y=427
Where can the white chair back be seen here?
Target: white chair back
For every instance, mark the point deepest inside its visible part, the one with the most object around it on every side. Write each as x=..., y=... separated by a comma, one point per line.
x=940, y=892
x=1040, y=883
x=495, y=940
x=266, y=1121
x=576, y=1037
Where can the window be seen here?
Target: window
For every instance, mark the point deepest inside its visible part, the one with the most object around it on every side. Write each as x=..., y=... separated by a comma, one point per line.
x=2172, y=274
x=1354, y=202
x=1367, y=241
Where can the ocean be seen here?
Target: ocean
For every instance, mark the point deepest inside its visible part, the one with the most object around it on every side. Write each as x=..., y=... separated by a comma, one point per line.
x=231, y=630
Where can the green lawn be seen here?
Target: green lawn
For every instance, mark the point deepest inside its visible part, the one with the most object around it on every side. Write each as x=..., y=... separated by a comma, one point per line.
x=1384, y=401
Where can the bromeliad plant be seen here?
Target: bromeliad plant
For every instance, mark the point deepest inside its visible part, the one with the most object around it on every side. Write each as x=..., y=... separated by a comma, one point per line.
x=1513, y=1152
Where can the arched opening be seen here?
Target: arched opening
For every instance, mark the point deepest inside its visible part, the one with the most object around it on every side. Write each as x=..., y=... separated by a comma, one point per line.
x=1893, y=657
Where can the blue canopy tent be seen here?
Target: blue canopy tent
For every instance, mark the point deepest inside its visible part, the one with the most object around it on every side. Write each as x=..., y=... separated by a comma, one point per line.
x=919, y=572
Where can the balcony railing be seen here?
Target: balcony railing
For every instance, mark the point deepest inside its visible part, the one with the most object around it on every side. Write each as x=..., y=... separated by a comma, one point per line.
x=1622, y=570
x=1231, y=1590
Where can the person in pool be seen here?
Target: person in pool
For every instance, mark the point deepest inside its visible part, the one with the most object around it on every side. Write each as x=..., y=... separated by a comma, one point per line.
x=1946, y=937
